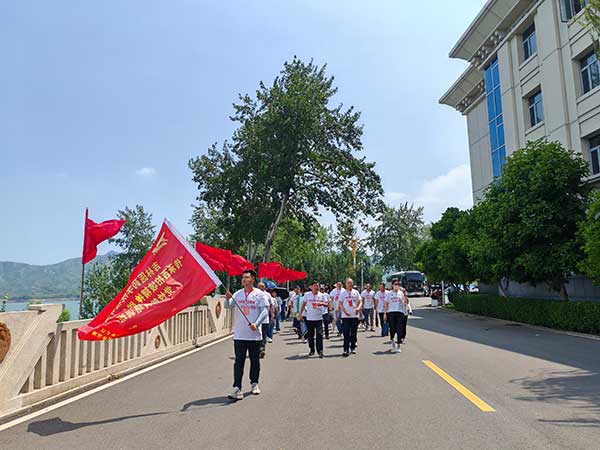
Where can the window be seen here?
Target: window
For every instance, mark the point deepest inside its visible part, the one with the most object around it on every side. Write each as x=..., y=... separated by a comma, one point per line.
x=594, y=155
x=590, y=72
x=529, y=43
x=495, y=119
x=570, y=8
x=536, y=109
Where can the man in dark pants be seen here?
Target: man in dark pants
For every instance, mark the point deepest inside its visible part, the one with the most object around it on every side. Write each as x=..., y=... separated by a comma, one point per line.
x=350, y=305
x=251, y=311
x=265, y=326
x=326, y=311
x=313, y=303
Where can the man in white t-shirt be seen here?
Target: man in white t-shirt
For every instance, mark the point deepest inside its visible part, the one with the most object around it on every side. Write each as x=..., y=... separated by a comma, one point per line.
x=326, y=311
x=252, y=310
x=335, y=301
x=368, y=296
x=313, y=303
x=379, y=303
x=351, y=305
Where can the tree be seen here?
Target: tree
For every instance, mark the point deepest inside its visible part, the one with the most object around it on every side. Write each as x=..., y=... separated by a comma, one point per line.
x=591, y=17
x=292, y=154
x=528, y=219
x=4, y=302
x=105, y=280
x=590, y=235
x=396, y=238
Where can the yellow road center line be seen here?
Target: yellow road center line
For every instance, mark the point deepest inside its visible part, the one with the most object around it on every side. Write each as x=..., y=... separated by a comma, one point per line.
x=460, y=388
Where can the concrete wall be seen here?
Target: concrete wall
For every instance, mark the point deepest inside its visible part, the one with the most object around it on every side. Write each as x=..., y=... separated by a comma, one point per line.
x=46, y=360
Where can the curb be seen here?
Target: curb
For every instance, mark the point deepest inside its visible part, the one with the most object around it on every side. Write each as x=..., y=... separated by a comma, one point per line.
x=535, y=327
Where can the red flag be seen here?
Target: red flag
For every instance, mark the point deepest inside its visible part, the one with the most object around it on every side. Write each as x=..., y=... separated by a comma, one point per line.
x=270, y=270
x=238, y=265
x=95, y=233
x=290, y=275
x=171, y=277
x=218, y=259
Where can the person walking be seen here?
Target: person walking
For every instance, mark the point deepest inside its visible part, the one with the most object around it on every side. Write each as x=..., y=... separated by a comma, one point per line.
x=252, y=310
x=278, y=308
x=335, y=300
x=368, y=296
x=313, y=303
x=326, y=311
x=395, y=312
x=350, y=304
x=379, y=303
x=266, y=326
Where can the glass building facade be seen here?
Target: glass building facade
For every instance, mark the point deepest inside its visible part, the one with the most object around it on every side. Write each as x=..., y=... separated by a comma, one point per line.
x=496, y=122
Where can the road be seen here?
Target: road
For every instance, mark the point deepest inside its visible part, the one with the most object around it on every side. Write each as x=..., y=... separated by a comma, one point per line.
x=543, y=387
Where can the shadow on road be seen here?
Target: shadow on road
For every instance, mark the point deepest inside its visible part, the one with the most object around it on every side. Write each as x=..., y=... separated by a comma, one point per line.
x=56, y=425
x=215, y=401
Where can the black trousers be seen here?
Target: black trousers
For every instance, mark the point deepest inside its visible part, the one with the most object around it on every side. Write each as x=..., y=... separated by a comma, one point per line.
x=384, y=325
x=350, y=330
x=241, y=348
x=397, y=322
x=315, y=327
x=326, y=322
x=264, y=328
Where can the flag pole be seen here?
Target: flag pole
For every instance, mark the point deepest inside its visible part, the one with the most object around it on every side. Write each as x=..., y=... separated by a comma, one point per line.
x=82, y=267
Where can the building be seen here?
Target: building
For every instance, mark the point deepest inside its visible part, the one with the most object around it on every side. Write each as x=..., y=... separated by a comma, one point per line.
x=532, y=73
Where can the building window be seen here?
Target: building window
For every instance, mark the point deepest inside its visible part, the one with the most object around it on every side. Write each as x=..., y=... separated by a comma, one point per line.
x=536, y=109
x=570, y=8
x=594, y=155
x=590, y=72
x=495, y=119
x=529, y=43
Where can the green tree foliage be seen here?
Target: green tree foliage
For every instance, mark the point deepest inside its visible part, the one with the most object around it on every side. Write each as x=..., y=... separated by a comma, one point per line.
x=395, y=238
x=591, y=17
x=4, y=302
x=65, y=316
x=590, y=235
x=105, y=281
x=293, y=153
x=528, y=220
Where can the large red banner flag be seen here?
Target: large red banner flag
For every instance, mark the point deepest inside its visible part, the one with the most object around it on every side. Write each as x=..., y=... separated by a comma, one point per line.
x=238, y=265
x=171, y=277
x=270, y=270
x=218, y=259
x=290, y=275
x=95, y=233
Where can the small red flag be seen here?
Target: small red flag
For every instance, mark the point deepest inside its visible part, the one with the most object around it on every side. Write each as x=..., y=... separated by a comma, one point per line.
x=218, y=259
x=270, y=270
x=238, y=265
x=290, y=275
x=95, y=233
x=171, y=277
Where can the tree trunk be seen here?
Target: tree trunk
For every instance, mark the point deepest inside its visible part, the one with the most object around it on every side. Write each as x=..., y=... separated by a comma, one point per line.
x=504, y=288
x=273, y=229
x=563, y=292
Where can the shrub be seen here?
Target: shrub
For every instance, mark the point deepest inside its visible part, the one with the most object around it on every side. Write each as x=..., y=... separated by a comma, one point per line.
x=582, y=317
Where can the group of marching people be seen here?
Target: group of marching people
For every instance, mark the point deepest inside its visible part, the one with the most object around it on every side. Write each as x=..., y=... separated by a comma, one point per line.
x=259, y=313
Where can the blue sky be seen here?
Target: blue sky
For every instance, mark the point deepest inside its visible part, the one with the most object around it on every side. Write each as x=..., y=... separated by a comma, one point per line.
x=104, y=103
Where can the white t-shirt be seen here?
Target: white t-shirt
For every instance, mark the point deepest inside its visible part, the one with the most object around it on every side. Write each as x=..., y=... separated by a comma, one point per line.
x=325, y=309
x=350, y=301
x=335, y=295
x=380, y=296
x=368, y=297
x=252, y=304
x=313, y=305
x=395, y=302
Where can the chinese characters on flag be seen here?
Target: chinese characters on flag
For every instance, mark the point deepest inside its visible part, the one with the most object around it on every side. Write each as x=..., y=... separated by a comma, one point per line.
x=171, y=277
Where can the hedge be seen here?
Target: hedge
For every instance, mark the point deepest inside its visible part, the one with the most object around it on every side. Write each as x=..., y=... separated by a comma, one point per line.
x=582, y=317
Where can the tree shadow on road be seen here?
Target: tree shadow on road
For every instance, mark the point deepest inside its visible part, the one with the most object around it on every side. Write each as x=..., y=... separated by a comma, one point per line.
x=56, y=425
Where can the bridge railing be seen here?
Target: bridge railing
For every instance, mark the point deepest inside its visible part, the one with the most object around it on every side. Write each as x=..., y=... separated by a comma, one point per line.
x=45, y=360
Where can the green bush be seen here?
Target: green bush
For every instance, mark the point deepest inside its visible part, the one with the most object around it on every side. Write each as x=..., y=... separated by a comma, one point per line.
x=65, y=316
x=582, y=317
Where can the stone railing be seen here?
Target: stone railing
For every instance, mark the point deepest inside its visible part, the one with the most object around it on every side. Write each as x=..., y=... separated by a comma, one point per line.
x=42, y=361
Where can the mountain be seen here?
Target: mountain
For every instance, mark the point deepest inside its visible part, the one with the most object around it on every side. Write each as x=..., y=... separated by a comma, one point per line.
x=61, y=280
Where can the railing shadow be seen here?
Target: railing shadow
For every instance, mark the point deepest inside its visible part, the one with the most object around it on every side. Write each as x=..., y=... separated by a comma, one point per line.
x=56, y=425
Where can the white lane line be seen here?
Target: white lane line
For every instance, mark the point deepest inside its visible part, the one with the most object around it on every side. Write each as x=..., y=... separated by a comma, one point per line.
x=105, y=386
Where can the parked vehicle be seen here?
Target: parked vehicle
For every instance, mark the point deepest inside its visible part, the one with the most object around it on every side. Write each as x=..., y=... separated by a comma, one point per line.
x=413, y=281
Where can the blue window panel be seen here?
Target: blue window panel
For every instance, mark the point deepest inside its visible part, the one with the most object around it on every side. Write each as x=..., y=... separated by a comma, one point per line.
x=489, y=84
x=500, y=136
x=499, y=120
x=495, y=164
x=502, y=153
x=498, y=101
x=496, y=74
x=494, y=137
x=491, y=108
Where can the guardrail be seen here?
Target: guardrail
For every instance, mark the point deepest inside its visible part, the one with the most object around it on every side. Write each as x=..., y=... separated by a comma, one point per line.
x=42, y=361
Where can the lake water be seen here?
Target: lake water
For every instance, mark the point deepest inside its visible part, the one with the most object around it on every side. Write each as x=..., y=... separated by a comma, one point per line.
x=71, y=305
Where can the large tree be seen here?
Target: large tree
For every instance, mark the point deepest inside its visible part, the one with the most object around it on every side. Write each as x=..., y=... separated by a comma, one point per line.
x=395, y=238
x=528, y=220
x=294, y=152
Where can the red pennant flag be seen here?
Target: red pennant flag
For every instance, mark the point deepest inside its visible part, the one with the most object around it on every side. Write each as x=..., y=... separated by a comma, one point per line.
x=218, y=259
x=171, y=277
x=238, y=265
x=95, y=233
x=290, y=275
x=270, y=270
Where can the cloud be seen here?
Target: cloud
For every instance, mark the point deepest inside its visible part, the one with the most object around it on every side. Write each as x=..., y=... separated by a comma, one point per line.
x=395, y=196
x=146, y=171
x=441, y=192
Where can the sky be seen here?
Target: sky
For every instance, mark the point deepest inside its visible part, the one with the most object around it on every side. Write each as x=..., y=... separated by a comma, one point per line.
x=103, y=103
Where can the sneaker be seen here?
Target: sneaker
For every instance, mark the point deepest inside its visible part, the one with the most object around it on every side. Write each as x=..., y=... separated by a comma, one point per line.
x=345, y=354
x=304, y=341
x=255, y=389
x=311, y=353
x=269, y=340
x=321, y=355
x=236, y=394
x=372, y=329
x=393, y=349
x=353, y=351
x=398, y=349
x=402, y=341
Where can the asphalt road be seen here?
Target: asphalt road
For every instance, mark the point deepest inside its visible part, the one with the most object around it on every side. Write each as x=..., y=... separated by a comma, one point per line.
x=544, y=388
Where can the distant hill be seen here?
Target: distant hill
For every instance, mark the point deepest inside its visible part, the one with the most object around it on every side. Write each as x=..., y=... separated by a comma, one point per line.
x=26, y=281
